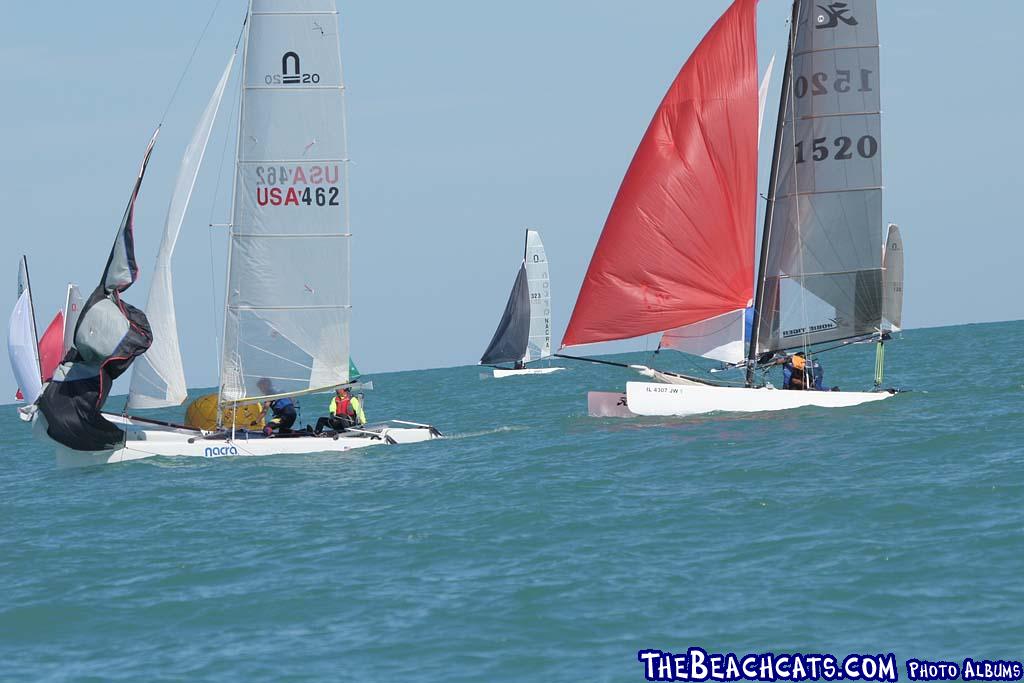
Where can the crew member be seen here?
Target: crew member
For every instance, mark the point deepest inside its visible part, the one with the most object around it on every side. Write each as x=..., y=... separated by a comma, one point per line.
x=282, y=410
x=794, y=371
x=345, y=411
x=800, y=373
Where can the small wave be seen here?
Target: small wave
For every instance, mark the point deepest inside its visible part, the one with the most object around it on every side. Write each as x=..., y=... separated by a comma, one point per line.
x=484, y=432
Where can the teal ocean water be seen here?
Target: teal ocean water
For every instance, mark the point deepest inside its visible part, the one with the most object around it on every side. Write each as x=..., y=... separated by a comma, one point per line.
x=537, y=543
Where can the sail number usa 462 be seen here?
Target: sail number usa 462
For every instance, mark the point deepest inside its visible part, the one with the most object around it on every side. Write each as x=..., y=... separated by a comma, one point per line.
x=314, y=185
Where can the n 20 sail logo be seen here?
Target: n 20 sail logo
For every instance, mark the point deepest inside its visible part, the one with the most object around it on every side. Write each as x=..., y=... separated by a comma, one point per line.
x=291, y=72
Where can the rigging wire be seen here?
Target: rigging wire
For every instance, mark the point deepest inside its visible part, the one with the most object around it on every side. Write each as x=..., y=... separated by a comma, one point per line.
x=805, y=337
x=184, y=72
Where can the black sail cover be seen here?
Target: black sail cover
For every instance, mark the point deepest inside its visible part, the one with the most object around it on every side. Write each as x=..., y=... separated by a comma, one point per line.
x=823, y=274
x=109, y=335
x=513, y=334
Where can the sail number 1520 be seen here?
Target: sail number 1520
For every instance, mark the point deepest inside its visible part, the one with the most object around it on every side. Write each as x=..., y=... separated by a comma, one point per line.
x=842, y=148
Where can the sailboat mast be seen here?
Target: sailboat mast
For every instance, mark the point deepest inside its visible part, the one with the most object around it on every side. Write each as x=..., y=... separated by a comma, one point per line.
x=346, y=228
x=231, y=221
x=769, y=213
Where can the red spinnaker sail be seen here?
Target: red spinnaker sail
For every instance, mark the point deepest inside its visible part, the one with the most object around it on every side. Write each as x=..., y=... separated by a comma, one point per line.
x=51, y=347
x=51, y=350
x=678, y=245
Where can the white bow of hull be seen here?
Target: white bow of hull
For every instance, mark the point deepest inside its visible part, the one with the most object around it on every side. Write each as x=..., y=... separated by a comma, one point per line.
x=648, y=398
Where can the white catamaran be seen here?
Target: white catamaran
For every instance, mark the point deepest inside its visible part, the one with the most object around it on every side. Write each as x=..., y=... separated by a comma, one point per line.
x=287, y=311
x=524, y=332
x=676, y=255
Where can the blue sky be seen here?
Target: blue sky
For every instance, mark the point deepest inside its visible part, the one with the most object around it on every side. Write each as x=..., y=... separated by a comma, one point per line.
x=468, y=122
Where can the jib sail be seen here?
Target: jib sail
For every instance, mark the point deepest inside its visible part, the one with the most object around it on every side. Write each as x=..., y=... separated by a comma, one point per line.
x=509, y=342
x=158, y=379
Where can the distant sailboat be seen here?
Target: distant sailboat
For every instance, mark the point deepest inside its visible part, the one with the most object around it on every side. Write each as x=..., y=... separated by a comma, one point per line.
x=524, y=331
x=23, y=340
x=50, y=348
x=677, y=252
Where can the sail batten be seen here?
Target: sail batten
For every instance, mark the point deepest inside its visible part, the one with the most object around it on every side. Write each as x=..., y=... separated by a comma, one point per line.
x=677, y=247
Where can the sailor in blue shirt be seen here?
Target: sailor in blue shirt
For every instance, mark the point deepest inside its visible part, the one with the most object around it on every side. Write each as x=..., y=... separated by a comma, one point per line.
x=282, y=410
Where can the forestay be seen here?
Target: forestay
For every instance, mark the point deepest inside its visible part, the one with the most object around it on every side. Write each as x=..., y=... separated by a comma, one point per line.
x=822, y=274
x=287, y=309
x=158, y=378
x=539, y=284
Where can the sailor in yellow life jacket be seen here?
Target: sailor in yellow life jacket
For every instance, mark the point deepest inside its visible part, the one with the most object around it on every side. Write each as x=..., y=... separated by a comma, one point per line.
x=345, y=410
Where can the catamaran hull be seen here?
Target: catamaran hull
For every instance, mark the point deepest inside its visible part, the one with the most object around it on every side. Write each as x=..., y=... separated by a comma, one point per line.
x=653, y=399
x=502, y=372
x=608, y=404
x=170, y=442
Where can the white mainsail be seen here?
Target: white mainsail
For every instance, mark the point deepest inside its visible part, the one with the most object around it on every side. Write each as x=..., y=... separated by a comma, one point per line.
x=892, y=280
x=286, y=323
x=22, y=340
x=72, y=309
x=539, y=285
x=158, y=378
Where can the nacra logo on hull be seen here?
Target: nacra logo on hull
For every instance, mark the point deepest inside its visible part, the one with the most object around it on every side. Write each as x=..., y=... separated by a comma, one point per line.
x=212, y=451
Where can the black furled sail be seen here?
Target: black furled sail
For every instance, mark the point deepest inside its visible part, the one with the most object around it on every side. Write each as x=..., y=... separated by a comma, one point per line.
x=109, y=335
x=513, y=334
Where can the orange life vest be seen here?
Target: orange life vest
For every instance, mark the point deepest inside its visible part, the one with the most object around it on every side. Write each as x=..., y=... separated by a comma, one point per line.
x=344, y=407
